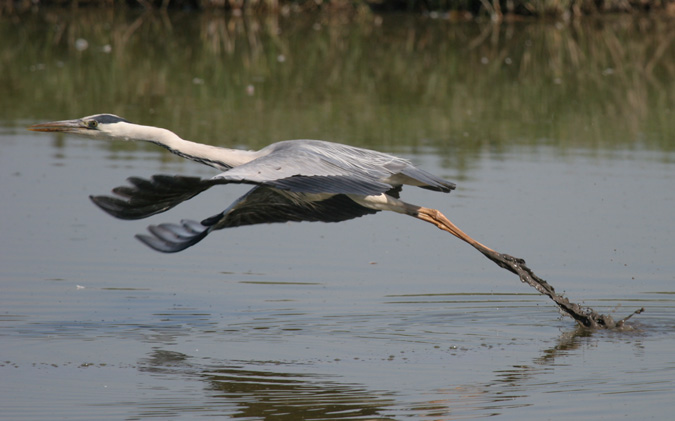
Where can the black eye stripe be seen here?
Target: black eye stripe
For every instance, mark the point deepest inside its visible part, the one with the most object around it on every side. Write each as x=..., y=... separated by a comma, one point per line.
x=108, y=119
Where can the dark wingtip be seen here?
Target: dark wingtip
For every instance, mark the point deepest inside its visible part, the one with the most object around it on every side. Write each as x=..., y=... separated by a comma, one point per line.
x=145, y=198
x=157, y=244
x=172, y=238
x=119, y=208
x=107, y=204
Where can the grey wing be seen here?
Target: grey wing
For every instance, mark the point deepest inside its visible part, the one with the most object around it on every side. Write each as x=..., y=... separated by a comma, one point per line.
x=260, y=205
x=268, y=205
x=310, y=166
x=303, y=174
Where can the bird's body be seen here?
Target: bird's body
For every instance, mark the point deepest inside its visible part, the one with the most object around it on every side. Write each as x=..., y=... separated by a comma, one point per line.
x=295, y=180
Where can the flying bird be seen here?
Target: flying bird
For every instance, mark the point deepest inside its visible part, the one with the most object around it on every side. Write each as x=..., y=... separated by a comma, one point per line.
x=294, y=180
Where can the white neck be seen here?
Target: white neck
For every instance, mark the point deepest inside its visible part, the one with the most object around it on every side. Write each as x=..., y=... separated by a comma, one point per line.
x=221, y=158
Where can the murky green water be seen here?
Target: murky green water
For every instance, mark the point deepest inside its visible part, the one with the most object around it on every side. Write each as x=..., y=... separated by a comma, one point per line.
x=561, y=138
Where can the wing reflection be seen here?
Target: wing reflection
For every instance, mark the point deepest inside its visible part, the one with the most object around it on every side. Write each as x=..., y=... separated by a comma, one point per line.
x=263, y=394
x=240, y=391
x=263, y=390
x=281, y=390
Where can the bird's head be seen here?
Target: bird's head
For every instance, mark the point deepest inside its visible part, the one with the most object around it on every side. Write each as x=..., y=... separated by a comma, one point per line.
x=98, y=125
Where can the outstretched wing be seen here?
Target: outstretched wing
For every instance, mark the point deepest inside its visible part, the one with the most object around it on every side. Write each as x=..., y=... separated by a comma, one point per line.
x=145, y=198
x=260, y=205
x=268, y=205
x=298, y=166
x=314, y=166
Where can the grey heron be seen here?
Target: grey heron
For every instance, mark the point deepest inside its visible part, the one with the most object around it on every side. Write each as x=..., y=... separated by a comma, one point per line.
x=295, y=180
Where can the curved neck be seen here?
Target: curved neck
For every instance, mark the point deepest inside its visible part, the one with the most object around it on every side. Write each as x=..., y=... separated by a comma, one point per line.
x=221, y=158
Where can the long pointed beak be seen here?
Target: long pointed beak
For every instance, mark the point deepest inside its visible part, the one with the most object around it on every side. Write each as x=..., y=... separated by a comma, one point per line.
x=65, y=126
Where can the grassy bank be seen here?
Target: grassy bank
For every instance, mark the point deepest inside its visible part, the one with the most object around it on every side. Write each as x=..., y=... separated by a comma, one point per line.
x=451, y=9
x=388, y=82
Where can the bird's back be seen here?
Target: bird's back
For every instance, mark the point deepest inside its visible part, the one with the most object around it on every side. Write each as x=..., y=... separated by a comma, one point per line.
x=313, y=154
x=316, y=166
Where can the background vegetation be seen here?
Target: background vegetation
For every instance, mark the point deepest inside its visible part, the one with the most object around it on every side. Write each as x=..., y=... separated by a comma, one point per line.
x=387, y=82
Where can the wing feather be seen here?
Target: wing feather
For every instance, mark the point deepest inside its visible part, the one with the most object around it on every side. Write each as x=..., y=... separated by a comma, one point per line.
x=260, y=205
x=149, y=197
x=268, y=205
x=314, y=166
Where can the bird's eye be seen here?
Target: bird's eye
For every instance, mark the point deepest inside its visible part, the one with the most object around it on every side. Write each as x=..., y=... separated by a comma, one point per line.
x=91, y=124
